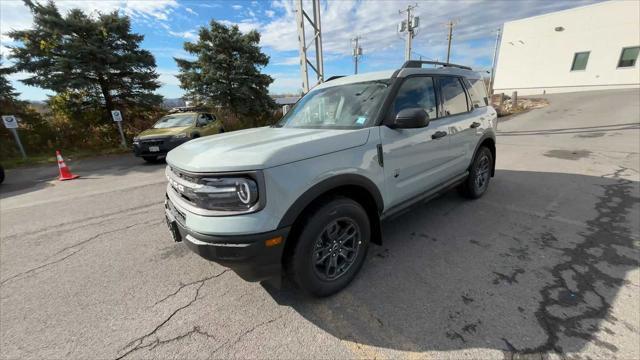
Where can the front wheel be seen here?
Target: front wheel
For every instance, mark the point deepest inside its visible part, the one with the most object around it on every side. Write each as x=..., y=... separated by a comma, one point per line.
x=477, y=182
x=331, y=247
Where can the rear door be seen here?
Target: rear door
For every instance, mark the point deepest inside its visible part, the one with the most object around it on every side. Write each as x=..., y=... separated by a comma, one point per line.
x=415, y=160
x=461, y=120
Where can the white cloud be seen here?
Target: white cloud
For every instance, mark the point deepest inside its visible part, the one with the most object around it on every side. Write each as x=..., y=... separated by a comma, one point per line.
x=244, y=26
x=168, y=77
x=189, y=35
x=270, y=13
x=285, y=83
x=190, y=11
x=292, y=60
x=14, y=15
x=236, y=7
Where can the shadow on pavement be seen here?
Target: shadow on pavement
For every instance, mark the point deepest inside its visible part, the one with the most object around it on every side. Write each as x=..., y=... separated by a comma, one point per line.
x=507, y=272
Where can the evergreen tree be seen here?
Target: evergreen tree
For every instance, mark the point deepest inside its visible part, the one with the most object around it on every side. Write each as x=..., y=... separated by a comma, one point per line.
x=226, y=71
x=97, y=57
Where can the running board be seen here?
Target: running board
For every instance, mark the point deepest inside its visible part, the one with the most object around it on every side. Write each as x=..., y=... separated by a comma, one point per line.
x=424, y=197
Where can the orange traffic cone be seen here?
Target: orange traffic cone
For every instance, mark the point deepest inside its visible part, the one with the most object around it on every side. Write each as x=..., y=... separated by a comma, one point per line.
x=65, y=173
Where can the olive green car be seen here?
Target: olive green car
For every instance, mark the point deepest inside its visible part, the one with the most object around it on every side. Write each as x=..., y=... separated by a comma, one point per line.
x=172, y=130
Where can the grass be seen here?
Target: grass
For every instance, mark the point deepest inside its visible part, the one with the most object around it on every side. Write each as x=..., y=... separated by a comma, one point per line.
x=42, y=159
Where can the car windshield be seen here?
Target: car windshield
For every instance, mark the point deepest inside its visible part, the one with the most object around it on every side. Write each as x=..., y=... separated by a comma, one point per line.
x=175, y=120
x=350, y=106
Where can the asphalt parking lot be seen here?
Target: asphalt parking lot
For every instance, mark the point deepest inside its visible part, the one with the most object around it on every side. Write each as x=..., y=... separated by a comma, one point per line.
x=546, y=263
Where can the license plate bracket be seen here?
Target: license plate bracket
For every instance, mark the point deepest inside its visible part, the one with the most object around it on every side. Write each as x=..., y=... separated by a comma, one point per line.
x=154, y=148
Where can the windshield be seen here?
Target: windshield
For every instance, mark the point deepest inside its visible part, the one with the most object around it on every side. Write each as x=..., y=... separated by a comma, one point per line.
x=350, y=106
x=174, y=120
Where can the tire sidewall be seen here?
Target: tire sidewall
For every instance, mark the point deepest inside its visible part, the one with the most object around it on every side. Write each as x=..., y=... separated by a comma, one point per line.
x=472, y=174
x=303, y=265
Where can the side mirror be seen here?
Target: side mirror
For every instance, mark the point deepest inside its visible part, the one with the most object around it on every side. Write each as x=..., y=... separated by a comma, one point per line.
x=411, y=118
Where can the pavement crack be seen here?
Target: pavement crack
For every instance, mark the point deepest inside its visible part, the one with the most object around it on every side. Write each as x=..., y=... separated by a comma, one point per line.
x=245, y=333
x=32, y=270
x=182, y=286
x=151, y=222
x=137, y=344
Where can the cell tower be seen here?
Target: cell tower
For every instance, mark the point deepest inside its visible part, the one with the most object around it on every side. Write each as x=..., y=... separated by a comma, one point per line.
x=316, y=40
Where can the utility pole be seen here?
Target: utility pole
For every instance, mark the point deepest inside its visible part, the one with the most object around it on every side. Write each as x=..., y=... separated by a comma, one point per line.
x=451, y=24
x=357, y=52
x=494, y=61
x=314, y=21
x=408, y=26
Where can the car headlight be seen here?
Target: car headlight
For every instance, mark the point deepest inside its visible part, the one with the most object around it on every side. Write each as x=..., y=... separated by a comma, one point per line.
x=180, y=136
x=226, y=193
x=136, y=140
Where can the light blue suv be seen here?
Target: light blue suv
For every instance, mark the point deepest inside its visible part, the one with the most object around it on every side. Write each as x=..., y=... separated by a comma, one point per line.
x=306, y=196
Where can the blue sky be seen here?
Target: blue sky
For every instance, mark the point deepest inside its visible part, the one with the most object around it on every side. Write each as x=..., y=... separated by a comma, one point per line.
x=167, y=24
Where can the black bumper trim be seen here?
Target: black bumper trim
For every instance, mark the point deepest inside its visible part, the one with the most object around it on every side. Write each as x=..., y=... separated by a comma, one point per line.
x=247, y=255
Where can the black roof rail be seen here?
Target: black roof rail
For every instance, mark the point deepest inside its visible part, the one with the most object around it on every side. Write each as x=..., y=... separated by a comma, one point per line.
x=334, y=77
x=418, y=64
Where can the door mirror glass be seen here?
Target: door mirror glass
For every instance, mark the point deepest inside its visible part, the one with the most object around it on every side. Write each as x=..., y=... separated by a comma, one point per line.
x=411, y=118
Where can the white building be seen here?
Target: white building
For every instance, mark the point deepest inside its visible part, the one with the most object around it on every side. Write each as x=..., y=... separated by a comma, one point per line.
x=592, y=47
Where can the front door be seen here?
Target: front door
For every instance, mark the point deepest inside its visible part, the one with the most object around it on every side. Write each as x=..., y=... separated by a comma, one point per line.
x=415, y=160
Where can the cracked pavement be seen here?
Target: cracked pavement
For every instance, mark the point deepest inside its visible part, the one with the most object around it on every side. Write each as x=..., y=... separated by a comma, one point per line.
x=546, y=263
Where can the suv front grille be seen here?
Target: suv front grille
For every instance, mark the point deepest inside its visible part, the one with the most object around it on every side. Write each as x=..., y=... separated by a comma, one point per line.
x=154, y=142
x=184, y=176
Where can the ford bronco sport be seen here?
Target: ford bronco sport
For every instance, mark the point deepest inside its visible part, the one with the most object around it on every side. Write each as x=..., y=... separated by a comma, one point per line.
x=305, y=197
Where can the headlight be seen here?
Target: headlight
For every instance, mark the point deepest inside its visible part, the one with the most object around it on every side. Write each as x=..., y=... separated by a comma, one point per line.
x=180, y=136
x=226, y=194
x=136, y=139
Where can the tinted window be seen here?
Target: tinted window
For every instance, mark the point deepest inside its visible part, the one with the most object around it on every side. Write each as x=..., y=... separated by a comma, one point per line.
x=477, y=92
x=580, y=61
x=453, y=96
x=417, y=92
x=628, y=57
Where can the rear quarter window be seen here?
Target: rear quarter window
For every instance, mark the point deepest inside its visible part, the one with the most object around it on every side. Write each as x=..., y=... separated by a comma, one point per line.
x=477, y=92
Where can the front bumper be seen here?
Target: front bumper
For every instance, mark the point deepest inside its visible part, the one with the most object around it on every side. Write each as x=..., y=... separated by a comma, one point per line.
x=163, y=145
x=247, y=255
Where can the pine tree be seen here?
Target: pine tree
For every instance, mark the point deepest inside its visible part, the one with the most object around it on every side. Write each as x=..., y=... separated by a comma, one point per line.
x=97, y=57
x=226, y=71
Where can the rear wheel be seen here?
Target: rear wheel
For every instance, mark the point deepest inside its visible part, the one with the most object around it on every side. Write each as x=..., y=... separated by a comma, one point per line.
x=331, y=247
x=477, y=182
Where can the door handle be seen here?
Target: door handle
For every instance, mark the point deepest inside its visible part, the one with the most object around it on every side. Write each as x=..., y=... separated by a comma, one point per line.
x=439, y=134
x=475, y=125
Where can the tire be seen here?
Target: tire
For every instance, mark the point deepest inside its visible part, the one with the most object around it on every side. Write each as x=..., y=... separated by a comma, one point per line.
x=150, y=159
x=477, y=182
x=319, y=240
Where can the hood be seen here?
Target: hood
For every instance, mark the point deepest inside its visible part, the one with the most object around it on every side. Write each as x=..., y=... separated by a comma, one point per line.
x=162, y=132
x=261, y=148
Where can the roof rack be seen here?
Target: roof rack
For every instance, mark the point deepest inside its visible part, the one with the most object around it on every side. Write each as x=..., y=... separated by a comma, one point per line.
x=418, y=64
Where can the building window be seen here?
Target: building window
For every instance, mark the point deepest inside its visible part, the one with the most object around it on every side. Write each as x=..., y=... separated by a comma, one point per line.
x=580, y=61
x=628, y=57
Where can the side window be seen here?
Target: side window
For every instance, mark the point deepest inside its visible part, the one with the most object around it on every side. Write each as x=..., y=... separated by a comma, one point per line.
x=477, y=92
x=628, y=57
x=580, y=60
x=454, y=98
x=417, y=92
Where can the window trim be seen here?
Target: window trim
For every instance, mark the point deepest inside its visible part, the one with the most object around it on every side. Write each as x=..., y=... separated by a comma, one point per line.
x=620, y=58
x=390, y=111
x=575, y=54
x=441, y=98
